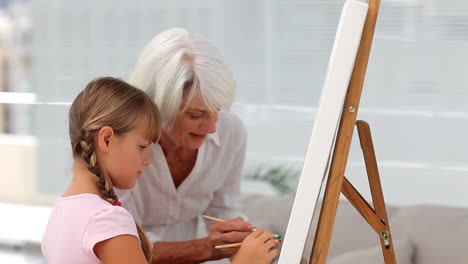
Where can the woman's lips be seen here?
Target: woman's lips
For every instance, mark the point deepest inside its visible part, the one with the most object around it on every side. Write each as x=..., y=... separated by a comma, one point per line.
x=199, y=137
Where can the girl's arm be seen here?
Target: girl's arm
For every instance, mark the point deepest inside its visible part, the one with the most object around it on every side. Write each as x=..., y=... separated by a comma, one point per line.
x=121, y=249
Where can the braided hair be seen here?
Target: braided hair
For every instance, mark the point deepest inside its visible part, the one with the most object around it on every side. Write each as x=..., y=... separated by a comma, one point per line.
x=110, y=102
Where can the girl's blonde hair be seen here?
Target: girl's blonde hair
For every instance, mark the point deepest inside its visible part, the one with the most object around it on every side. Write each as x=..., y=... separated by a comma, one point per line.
x=110, y=102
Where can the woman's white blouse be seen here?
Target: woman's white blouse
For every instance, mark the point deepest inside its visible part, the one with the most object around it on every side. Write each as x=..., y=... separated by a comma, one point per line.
x=212, y=187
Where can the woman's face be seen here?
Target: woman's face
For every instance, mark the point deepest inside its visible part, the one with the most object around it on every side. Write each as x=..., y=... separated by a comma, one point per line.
x=192, y=126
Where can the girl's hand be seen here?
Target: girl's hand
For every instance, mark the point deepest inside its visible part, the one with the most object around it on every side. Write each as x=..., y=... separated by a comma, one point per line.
x=227, y=232
x=257, y=248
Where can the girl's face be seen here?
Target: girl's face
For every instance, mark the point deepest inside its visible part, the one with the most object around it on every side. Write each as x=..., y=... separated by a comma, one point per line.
x=192, y=126
x=126, y=157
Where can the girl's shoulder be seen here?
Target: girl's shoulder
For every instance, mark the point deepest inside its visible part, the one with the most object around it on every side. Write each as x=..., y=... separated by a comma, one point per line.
x=84, y=204
x=108, y=222
x=93, y=213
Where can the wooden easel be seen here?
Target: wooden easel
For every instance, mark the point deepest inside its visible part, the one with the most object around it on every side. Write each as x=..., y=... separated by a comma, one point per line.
x=337, y=182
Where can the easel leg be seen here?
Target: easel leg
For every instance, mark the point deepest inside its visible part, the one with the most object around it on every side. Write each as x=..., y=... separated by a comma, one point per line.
x=336, y=181
x=375, y=185
x=327, y=217
x=377, y=218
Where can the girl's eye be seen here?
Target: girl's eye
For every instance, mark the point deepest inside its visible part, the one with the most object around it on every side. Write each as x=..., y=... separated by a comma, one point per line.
x=143, y=147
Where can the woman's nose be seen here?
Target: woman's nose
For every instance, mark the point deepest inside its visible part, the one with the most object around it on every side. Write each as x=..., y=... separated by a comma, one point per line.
x=210, y=124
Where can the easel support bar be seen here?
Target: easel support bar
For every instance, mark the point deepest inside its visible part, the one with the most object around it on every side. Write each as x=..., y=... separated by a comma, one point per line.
x=362, y=206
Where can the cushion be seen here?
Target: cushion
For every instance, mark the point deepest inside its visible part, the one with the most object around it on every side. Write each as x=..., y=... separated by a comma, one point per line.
x=404, y=253
x=438, y=232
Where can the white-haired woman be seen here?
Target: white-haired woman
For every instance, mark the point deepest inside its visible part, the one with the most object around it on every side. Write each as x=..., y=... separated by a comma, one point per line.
x=197, y=164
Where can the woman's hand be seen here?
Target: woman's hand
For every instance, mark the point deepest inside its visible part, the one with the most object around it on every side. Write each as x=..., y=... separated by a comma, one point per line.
x=257, y=248
x=228, y=232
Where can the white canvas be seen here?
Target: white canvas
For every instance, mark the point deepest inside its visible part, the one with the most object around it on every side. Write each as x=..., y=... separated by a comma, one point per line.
x=340, y=67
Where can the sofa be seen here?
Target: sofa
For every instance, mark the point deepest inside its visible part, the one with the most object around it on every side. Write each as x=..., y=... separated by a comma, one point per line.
x=423, y=234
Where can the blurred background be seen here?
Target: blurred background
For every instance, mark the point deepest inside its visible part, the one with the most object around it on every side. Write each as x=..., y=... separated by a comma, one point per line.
x=414, y=95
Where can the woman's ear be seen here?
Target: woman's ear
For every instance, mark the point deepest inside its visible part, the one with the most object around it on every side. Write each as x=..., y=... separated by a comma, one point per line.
x=104, y=136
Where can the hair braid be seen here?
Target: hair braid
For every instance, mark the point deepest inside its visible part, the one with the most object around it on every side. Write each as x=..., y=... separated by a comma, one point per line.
x=89, y=156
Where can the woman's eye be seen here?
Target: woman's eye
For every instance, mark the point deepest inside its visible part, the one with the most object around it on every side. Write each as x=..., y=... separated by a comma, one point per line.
x=143, y=147
x=195, y=116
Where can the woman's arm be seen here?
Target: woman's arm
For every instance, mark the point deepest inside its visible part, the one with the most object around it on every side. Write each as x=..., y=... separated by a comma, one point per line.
x=201, y=250
x=183, y=252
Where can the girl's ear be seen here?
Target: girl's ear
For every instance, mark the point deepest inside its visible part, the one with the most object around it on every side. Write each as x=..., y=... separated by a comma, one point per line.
x=104, y=136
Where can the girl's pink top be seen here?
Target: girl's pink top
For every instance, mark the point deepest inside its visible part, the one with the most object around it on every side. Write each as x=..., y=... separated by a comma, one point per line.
x=79, y=222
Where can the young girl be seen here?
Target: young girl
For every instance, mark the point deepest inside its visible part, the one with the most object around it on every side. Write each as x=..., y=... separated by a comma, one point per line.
x=111, y=126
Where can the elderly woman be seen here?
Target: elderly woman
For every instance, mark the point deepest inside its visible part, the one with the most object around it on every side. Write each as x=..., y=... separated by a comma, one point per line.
x=196, y=167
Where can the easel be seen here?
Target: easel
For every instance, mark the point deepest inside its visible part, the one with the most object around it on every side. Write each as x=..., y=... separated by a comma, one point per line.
x=337, y=182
